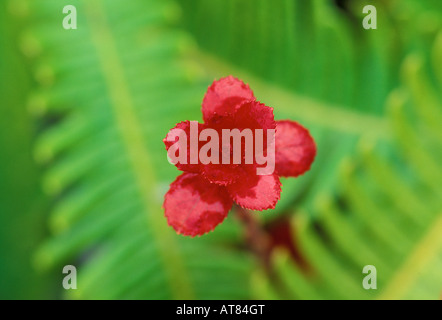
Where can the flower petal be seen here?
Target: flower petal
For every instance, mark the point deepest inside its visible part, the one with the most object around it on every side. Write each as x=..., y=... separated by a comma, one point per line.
x=254, y=115
x=295, y=149
x=249, y=115
x=256, y=192
x=173, y=136
x=223, y=96
x=221, y=174
x=194, y=206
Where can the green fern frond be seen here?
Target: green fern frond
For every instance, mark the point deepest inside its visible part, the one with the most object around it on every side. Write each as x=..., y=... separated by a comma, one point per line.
x=387, y=214
x=116, y=88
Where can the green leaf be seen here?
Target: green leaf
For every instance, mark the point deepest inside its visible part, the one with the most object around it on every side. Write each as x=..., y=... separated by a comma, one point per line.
x=386, y=215
x=115, y=89
x=22, y=205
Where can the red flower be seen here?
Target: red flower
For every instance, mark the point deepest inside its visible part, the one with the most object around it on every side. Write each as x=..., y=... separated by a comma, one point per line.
x=201, y=197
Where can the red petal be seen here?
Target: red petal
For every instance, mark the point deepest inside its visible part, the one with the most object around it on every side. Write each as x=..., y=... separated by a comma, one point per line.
x=256, y=192
x=171, y=139
x=221, y=174
x=223, y=96
x=295, y=149
x=254, y=115
x=194, y=206
x=249, y=115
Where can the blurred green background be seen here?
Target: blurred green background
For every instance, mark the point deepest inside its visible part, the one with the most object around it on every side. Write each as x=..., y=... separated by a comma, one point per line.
x=83, y=169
